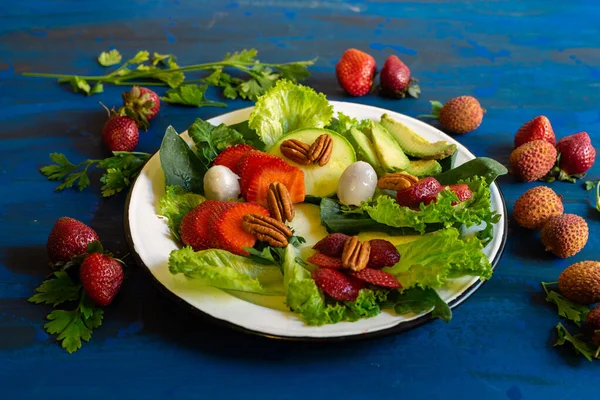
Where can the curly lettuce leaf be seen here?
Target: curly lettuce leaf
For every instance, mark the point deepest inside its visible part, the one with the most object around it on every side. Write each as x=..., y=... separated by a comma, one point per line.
x=224, y=270
x=431, y=260
x=286, y=107
x=343, y=123
x=477, y=210
x=174, y=204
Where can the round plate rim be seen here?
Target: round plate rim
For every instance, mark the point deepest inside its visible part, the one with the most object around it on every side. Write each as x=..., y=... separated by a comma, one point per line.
x=400, y=327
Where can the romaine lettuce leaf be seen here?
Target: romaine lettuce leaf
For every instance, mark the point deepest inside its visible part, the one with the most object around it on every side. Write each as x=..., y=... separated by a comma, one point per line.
x=286, y=107
x=434, y=258
x=385, y=210
x=174, y=204
x=224, y=270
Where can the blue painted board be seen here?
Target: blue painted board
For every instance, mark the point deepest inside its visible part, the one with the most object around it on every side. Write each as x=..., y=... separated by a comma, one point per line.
x=521, y=59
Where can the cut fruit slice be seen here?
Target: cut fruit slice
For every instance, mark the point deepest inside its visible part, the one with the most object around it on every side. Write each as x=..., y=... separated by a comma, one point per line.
x=377, y=277
x=248, y=165
x=195, y=229
x=230, y=157
x=413, y=144
x=320, y=181
x=228, y=233
x=364, y=149
x=389, y=153
x=422, y=168
x=256, y=184
x=321, y=260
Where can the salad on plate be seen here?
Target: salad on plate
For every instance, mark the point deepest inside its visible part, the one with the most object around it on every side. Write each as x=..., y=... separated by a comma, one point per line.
x=341, y=218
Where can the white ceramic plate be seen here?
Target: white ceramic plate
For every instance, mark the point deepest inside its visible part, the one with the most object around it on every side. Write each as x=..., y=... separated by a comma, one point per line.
x=151, y=243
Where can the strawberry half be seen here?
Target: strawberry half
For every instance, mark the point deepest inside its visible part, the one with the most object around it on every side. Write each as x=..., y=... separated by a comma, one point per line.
x=321, y=260
x=377, y=277
x=355, y=72
x=226, y=226
x=383, y=254
x=538, y=128
x=101, y=277
x=254, y=184
x=68, y=238
x=195, y=230
x=248, y=164
x=336, y=284
x=231, y=156
x=332, y=245
x=462, y=191
x=420, y=192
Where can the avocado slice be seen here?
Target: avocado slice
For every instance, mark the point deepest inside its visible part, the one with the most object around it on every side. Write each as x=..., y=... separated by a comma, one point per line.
x=420, y=168
x=364, y=149
x=390, y=154
x=413, y=144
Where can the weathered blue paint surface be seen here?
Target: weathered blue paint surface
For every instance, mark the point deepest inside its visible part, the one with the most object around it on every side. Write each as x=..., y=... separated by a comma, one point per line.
x=520, y=58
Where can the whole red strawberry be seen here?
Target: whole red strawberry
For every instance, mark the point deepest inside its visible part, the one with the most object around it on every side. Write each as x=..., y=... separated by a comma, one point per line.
x=69, y=238
x=538, y=128
x=355, y=72
x=101, y=277
x=141, y=104
x=396, y=80
x=577, y=155
x=120, y=133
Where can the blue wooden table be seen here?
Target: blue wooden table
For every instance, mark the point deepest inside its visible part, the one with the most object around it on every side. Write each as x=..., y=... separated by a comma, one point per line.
x=521, y=59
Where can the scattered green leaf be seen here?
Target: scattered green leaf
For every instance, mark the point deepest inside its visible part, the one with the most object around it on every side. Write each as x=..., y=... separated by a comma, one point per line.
x=108, y=58
x=190, y=95
x=579, y=346
x=210, y=140
x=566, y=308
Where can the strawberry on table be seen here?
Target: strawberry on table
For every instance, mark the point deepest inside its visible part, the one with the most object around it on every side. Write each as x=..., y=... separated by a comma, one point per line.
x=396, y=80
x=231, y=156
x=69, y=238
x=322, y=260
x=332, y=245
x=336, y=284
x=141, y=104
x=226, y=226
x=577, y=155
x=101, y=277
x=538, y=128
x=120, y=133
x=355, y=72
x=377, y=277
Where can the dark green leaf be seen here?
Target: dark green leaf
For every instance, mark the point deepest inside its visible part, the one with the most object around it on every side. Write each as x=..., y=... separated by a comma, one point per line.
x=579, y=346
x=566, y=308
x=191, y=95
x=418, y=301
x=180, y=164
x=95, y=247
x=210, y=140
x=56, y=290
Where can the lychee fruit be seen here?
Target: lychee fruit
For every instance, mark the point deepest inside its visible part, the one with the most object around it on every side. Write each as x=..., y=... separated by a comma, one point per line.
x=459, y=115
x=580, y=282
x=565, y=235
x=533, y=160
x=535, y=206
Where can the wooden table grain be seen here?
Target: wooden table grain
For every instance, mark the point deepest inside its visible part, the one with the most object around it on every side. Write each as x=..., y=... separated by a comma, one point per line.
x=521, y=59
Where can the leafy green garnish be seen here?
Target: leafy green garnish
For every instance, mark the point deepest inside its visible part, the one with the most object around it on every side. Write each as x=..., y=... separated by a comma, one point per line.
x=385, y=210
x=343, y=123
x=566, y=308
x=162, y=70
x=71, y=326
x=120, y=171
x=190, y=95
x=210, y=140
x=453, y=257
x=174, y=204
x=418, y=300
x=224, y=270
x=108, y=58
x=181, y=166
x=579, y=346
x=589, y=185
x=286, y=107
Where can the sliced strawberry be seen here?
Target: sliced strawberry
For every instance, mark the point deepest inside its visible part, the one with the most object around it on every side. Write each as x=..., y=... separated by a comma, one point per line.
x=254, y=186
x=332, y=245
x=462, y=191
x=336, y=284
x=419, y=192
x=322, y=260
x=226, y=225
x=195, y=229
x=383, y=254
x=377, y=277
x=231, y=156
x=249, y=164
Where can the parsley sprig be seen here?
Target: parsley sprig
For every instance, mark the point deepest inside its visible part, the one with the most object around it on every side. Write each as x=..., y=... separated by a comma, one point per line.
x=119, y=171
x=250, y=80
x=70, y=325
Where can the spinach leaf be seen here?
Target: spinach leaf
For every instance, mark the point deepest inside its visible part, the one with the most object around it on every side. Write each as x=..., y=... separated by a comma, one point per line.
x=180, y=164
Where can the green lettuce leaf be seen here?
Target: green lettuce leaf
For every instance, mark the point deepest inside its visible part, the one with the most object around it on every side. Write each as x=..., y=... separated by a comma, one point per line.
x=224, y=270
x=418, y=300
x=286, y=107
x=174, y=204
x=343, y=123
x=452, y=257
x=384, y=209
x=210, y=140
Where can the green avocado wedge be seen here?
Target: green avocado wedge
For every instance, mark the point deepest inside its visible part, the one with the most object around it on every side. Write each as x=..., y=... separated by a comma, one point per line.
x=485, y=167
x=421, y=168
x=389, y=153
x=414, y=145
x=364, y=149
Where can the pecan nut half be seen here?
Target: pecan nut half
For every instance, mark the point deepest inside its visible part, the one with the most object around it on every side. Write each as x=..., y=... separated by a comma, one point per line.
x=397, y=181
x=267, y=229
x=279, y=202
x=356, y=254
x=296, y=151
x=320, y=150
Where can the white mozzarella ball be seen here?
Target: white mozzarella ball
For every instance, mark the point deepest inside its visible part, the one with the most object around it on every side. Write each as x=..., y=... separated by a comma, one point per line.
x=357, y=183
x=220, y=183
